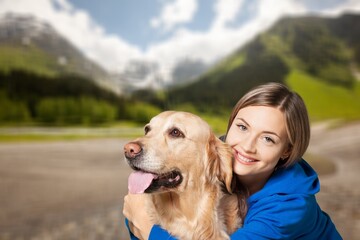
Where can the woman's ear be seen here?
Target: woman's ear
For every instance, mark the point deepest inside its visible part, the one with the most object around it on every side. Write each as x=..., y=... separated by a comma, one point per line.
x=286, y=153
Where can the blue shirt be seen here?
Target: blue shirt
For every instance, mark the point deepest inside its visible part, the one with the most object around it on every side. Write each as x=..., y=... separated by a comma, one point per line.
x=285, y=208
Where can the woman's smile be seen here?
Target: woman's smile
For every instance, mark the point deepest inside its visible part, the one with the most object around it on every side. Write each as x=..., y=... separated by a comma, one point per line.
x=244, y=159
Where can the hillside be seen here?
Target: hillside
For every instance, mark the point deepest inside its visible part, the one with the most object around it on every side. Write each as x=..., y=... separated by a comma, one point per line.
x=30, y=45
x=318, y=57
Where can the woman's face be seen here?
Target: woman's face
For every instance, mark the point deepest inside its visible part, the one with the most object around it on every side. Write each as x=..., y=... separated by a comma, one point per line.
x=259, y=139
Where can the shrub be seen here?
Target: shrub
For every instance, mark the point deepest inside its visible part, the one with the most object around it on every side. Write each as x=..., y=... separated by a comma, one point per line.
x=141, y=112
x=75, y=111
x=12, y=111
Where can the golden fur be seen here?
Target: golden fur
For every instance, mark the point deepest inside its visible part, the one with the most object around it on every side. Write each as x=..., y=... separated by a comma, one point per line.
x=193, y=209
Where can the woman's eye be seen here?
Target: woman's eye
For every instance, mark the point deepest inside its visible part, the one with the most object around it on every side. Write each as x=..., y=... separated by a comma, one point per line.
x=176, y=133
x=242, y=127
x=269, y=140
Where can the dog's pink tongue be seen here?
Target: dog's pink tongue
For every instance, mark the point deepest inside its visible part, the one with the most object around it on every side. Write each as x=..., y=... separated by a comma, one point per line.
x=138, y=181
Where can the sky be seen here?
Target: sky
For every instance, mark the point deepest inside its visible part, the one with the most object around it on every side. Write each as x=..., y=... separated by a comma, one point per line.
x=114, y=32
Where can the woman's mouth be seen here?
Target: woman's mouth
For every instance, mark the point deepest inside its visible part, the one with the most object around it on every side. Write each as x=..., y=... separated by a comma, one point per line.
x=244, y=160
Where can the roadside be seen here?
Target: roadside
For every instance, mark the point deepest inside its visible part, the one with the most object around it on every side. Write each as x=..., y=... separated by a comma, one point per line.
x=17, y=134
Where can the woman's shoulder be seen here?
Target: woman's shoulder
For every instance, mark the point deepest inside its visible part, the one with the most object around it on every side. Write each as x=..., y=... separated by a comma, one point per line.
x=299, y=179
x=285, y=203
x=288, y=216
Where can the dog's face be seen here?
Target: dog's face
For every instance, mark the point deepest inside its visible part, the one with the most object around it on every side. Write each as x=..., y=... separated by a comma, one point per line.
x=177, y=152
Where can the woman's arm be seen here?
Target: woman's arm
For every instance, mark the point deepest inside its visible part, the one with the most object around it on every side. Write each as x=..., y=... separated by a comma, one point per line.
x=286, y=217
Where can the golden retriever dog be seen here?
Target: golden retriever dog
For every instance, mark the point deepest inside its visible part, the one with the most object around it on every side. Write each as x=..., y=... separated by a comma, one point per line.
x=186, y=172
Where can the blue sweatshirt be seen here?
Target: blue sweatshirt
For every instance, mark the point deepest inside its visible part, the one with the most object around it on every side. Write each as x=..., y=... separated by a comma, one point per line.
x=285, y=208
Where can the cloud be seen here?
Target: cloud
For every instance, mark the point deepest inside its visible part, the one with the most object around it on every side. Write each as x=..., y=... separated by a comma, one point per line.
x=220, y=39
x=225, y=12
x=347, y=6
x=175, y=13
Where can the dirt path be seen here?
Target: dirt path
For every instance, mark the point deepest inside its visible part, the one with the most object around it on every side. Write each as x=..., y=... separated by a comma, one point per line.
x=62, y=190
x=340, y=192
x=74, y=189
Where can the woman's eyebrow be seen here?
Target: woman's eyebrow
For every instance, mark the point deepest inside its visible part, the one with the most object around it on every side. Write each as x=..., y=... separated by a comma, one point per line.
x=272, y=133
x=241, y=119
x=267, y=132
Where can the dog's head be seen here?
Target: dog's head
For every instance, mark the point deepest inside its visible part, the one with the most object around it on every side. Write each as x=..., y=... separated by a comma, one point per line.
x=177, y=152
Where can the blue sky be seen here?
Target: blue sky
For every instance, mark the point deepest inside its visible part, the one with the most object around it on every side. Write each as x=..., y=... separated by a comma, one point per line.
x=131, y=19
x=114, y=32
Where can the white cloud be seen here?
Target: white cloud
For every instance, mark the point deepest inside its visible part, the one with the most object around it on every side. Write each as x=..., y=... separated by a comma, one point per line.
x=220, y=39
x=174, y=13
x=348, y=6
x=225, y=12
x=269, y=11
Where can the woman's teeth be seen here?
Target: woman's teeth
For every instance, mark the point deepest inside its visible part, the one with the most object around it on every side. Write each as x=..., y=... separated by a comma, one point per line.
x=242, y=158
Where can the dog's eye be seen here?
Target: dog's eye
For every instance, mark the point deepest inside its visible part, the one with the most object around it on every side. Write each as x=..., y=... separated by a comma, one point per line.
x=146, y=129
x=176, y=133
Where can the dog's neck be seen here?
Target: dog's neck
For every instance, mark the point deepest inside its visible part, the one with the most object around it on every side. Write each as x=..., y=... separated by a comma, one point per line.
x=170, y=203
x=189, y=208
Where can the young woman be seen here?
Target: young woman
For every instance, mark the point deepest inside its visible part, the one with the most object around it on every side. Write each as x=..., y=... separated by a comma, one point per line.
x=269, y=131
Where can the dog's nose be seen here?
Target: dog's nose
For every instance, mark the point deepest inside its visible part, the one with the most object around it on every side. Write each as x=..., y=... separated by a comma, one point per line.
x=132, y=150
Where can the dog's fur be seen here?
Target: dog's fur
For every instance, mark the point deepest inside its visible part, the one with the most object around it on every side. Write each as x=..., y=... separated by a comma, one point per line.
x=194, y=205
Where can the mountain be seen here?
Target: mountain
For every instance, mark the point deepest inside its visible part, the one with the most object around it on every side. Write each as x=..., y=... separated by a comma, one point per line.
x=143, y=74
x=187, y=70
x=29, y=44
x=312, y=53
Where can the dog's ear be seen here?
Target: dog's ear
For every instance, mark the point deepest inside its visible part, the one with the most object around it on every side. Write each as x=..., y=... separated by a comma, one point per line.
x=220, y=158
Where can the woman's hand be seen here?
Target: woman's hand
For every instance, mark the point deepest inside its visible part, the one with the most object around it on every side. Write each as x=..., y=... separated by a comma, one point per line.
x=134, y=210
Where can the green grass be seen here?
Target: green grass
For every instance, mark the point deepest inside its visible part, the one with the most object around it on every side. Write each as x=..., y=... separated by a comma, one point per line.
x=41, y=138
x=217, y=123
x=33, y=132
x=4, y=138
x=326, y=101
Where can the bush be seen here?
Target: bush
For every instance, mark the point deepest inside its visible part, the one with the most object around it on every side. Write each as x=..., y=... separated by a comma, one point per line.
x=75, y=111
x=12, y=111
x=141, y=112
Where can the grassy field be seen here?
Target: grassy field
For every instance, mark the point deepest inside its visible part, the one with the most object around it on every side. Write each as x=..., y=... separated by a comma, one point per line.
x=12, y=133
x=320, y=101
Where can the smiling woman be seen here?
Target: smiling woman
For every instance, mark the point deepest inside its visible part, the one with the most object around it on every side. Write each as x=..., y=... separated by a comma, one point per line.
x=268, y=132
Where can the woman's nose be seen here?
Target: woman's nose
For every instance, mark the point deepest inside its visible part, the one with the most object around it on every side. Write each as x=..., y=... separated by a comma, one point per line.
x=249, y=145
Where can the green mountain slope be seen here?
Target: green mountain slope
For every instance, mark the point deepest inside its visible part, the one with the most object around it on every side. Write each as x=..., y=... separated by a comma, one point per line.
x=32, y=45
x=325, y=101
x=315, y=56
x=30, y=59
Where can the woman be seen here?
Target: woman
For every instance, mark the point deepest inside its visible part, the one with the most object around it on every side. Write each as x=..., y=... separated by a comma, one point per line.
x=269, y=131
